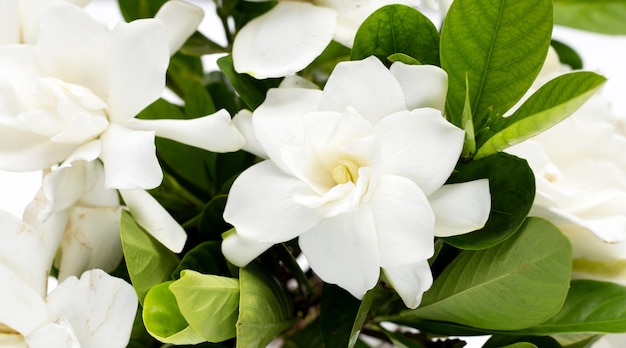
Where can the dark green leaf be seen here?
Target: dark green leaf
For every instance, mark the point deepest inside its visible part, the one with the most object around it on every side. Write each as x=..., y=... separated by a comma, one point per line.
x=517, y=284
x=601, y=16
x=205, y=258
x=251, y=90
x=397, y=29
x=500, y=46
x=148, y=261
x=551, y=104
x=342, y=315
x=512, y=187
x=567, y=55
x=498, y=341
x=135, y=9
x=199, y=45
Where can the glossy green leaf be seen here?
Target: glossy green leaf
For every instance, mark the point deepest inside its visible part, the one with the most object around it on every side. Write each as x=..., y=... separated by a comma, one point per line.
x=148, y=261
x=567, y=55
x=135, y=9
x=512, y=187
x=209, y=303
x=397, y=29
x=342, y=315
x=251, y=90
x=205, y=258
x=552, y=103
x=164, y=320
x=517, y=284
x=500, y=45
x=601, y=16
x=264, y=309
x=591, y=306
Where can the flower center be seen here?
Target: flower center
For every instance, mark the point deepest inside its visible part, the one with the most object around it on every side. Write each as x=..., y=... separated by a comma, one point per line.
x=345, y=171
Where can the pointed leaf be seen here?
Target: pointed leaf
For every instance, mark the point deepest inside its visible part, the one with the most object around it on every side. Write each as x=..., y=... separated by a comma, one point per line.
x=514, y=285
x=552, y=103
x=251, y=90
x=500, y=45
x=209, y=303
x=600, y=16
x=264, y=309
x=148, y=261
x=397, y=29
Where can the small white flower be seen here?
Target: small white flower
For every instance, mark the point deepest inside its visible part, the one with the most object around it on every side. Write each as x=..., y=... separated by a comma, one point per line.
x=356, y=172
x=96, y=310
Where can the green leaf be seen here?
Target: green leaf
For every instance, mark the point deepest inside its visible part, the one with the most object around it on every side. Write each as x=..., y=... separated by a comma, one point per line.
x=601, y=16
x=497, y=341
x=199, y=45
x=204, y=258
x=397, y=29
x=148, y=261
x=551, y=104
x=567, y=55
x=264, y=309
x=342, y=315
x=467, y=124
x=404, y=58
x=500, y=45
x=251, y=90
x=135, y=9
x=517, y=284
x=591, y=306
x=512, y=187
x=209, y=303
x=164, y=320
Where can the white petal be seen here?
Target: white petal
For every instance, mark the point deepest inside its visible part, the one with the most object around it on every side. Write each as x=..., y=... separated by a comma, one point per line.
x=134, y=81
x=278, y=122
x=240, y=251
x=420, y=145
x=100, y=308
x=150, y=215
x=63, y=187
x=343, y=250
x=365, y=85
x=243, y=121
x=91, y=240
x=19, y=243
x=53, y=335
x=461, y=208
x=31, y=12
x=9, y=22
x=261, y=207
x=214, y=133
x=86, y=152
x=424, y=86
x=129, y=158
x=405, y=223
x=181, y=20
x=410, y=281
x=71, y=55
x=284, y=40
x=23, y=310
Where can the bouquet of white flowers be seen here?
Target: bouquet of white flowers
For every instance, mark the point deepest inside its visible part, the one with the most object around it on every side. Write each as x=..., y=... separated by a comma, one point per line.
x=352, y=175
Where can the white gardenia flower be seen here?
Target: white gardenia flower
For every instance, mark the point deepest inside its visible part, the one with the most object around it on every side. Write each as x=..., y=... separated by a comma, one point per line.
x=292, y=34
x=76, y=92
x=20, y=19
x=356, y=171
x=96, y=310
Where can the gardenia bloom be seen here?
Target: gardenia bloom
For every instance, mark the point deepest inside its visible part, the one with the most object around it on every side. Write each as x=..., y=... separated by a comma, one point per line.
x=96, y=310
x=76, y=92
x=292, y=34
x=357, y=172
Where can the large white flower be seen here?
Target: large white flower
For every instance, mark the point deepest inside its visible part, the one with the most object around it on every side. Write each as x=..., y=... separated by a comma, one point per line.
x=356, y=171
x=76, y=92
x=580, y=176
x=291, y=35
x=96, y=310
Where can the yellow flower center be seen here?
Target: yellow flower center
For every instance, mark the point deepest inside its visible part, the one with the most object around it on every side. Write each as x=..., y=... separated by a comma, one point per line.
x=345, y=171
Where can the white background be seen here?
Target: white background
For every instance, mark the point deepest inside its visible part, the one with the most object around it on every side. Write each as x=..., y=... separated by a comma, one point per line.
x=601, y=53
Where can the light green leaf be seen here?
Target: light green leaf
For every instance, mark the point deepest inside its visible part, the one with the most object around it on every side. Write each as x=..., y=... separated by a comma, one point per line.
x=552, y=103
x=467, y=124
x=209, y=303
x=404, y=58
x=519, y=283
x=397, y=29
x=163, y=319
x=591, y=306
x=500, y=45
x=148, y=261
x=264, y=309
x=601, y=16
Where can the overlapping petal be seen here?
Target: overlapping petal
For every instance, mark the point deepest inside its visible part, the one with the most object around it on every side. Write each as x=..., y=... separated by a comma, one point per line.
x=284, y=40
x=461, y=208
x=410, y=281
x=181, y=20
x=243, y=122
x=240, y=251
x=424, y=86
x=23, y=309
x=9, y=22
x=53, y=335
x=420, y=145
